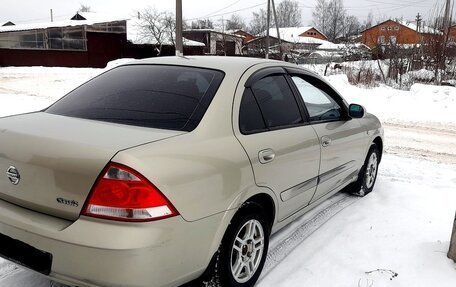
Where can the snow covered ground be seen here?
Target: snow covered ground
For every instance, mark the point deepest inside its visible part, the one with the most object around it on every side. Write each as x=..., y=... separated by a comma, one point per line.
x=402, y=228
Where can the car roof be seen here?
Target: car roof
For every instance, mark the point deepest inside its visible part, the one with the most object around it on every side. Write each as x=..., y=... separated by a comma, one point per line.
x=223, y=63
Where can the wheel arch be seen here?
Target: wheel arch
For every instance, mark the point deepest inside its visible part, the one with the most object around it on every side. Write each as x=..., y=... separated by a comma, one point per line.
x=379, y=142
x=266, y=203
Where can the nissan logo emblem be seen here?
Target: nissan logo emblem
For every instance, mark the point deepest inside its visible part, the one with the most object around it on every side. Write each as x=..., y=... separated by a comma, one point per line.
x=13, y=175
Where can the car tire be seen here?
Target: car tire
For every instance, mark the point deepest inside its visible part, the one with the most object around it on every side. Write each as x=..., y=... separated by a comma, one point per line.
x=242, y=253
x=368, y=173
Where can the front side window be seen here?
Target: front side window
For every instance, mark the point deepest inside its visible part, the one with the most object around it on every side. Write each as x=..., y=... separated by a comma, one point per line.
x=155, y=96
x=277, y=102
x=320, y=106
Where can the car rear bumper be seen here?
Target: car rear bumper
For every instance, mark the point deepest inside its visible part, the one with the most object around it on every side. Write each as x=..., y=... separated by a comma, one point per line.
x=93, y=252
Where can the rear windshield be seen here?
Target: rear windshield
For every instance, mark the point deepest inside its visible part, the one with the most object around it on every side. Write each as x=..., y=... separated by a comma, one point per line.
x=155, y=96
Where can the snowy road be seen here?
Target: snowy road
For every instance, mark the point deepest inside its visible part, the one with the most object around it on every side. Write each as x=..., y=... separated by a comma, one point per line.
x=402, y=227
x=425, y=141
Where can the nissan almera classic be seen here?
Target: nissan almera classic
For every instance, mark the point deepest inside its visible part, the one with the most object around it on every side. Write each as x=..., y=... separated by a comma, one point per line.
x=167, y=170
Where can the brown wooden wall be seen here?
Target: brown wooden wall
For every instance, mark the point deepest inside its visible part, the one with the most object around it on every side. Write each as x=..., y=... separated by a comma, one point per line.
x=14, y=57
x=404, y=35
x=452, y=34
x=314, y=33
x=101, y=48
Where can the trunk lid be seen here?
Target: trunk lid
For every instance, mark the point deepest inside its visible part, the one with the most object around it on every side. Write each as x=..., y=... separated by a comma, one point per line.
x=56, y=159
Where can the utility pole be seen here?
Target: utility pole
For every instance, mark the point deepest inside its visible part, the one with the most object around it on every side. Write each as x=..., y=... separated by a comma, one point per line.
x=452, y=252
x=278, y=30
x=179, y=41
x=418, y=22
x=446, y=21
x=446, y=27
x=417, y=56
x=268, y=22
x=52, y=16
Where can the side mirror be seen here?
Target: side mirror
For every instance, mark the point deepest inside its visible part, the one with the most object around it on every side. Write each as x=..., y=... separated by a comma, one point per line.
x=356, y=111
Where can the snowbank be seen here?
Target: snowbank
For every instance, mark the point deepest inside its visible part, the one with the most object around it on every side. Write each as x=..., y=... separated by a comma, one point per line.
x=422, y=104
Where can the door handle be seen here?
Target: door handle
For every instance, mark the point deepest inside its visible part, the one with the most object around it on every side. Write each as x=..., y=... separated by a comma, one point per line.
x=266, y=155
x=325, y=141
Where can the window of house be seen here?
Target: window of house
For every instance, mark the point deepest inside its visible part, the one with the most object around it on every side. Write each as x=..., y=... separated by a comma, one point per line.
x=382, y=28
x=392, y=40
x=69, y=38
x=396, y=28
x=381, y=40
x=390, y=28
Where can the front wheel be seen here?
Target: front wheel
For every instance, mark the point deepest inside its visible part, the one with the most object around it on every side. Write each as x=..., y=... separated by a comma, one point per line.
x=368, y=174
x=244, y=248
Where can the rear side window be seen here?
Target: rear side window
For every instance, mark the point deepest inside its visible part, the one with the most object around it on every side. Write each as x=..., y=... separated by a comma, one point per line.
x=155, y=96
x=277, y=102
x=250, y=118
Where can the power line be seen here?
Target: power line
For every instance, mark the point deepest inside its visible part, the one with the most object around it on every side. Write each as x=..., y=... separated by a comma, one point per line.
x=226, y=13
x=219, y=10
x=24, y=21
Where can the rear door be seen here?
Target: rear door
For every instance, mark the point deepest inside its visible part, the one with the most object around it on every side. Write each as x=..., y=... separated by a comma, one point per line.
x=283, y=149
x=342, y=138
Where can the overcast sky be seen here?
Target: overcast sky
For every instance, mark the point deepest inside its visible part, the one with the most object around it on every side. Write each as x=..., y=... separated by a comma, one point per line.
x=29, y=11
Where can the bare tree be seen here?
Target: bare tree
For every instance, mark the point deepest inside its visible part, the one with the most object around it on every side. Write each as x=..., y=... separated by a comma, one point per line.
x=337, y=17
x=352, y=26
x=320, y=16
x=84, y=8
x=203, y=24
x=289, y=14
x=236, y=22
x=369, y=20
x=329, y=17
x=169, y=26
x=158, y=27
x=258, y=22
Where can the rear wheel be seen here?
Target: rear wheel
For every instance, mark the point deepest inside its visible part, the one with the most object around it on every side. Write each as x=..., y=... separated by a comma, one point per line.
x=244, y=247
x=368, y=174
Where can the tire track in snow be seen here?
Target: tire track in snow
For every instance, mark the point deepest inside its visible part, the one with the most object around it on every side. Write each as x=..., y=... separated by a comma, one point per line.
x=285, y=246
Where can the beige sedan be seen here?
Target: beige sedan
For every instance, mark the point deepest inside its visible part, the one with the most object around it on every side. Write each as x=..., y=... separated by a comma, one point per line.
x=168, y=170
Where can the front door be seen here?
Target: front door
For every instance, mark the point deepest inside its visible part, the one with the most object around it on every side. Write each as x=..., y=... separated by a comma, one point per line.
x=341, y=138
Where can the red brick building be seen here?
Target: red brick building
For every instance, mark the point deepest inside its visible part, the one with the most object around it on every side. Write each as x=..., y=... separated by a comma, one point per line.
x=397, y=33
x=452, y=34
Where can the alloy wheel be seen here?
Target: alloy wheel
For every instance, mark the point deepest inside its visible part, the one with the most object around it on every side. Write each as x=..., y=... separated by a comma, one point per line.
x=247, y=251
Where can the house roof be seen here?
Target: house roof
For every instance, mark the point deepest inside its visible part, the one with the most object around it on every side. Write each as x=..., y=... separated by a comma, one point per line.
x=290, y=34
x=331, y=46
x=64, y=23
x=226, y=32
x=412, y=26
x=9, y=23
x=238, y=32
x=296, y=40
x=303, y=40
x=423, y=29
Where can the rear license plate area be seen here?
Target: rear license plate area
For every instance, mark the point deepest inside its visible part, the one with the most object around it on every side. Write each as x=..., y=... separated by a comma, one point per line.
x=25, y=255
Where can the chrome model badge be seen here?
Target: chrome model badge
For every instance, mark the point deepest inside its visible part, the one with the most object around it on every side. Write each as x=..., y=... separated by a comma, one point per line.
x=13, y=175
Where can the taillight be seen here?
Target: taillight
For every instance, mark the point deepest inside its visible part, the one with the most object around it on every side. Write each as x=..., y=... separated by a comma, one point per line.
x=121, y=193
